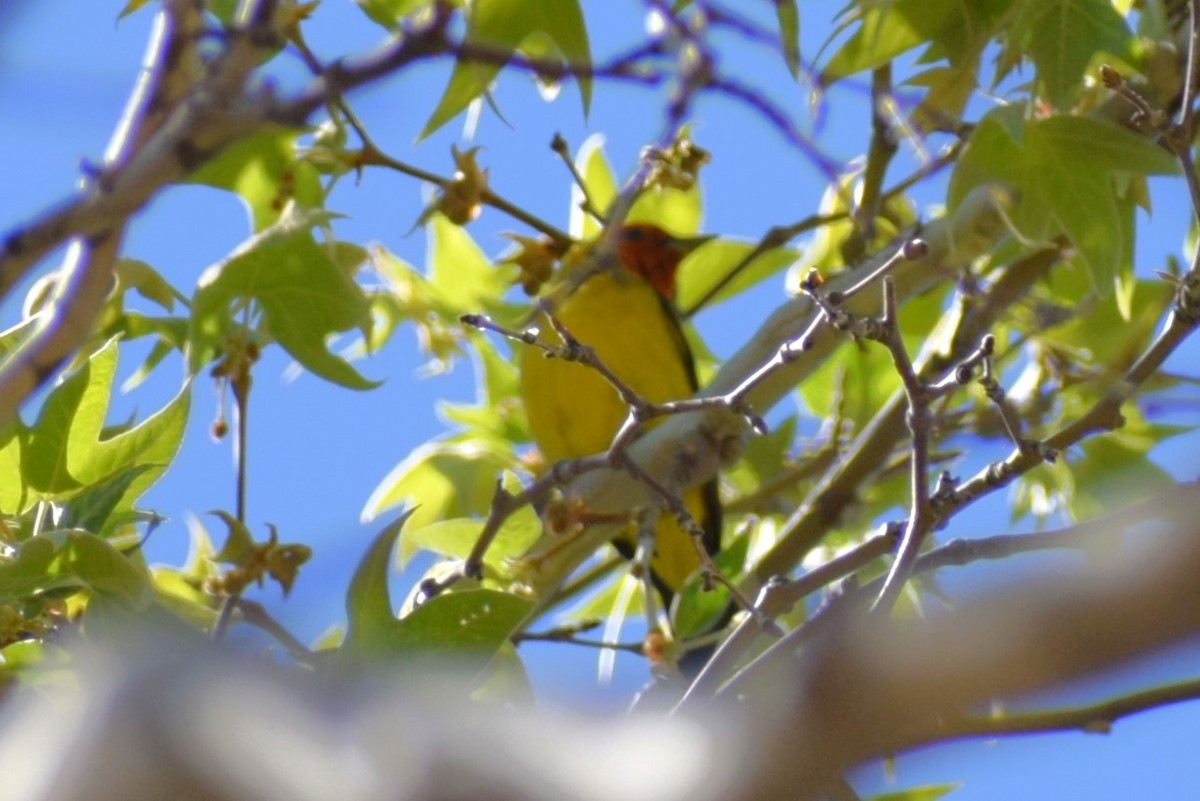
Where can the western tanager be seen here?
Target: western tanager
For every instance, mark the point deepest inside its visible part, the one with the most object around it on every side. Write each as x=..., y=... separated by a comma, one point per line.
x=627, y=316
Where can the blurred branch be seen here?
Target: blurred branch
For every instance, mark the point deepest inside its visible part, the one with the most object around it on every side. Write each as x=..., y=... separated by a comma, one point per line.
x=1092, y=719
x=868, y=687
x=864, y=687
x=783, y=594
x=1098, y=536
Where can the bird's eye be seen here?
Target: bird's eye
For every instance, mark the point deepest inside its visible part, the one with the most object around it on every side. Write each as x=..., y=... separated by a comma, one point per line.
x=631, y=234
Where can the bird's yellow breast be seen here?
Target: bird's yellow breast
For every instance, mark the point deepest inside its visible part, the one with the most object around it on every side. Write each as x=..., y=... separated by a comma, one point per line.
x=573, y=411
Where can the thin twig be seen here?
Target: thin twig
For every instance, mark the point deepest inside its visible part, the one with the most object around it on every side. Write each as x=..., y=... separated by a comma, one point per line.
x=880, y=152
x=588, y=205
x=825, y=502
x=1187, y=102
x=919, y=423
x=776, y=599
x=957, y=553
x=779, y=236
x=256, y=615
x=774, y=238
x=569, y=633
x=675, y=505
x=1091, y=719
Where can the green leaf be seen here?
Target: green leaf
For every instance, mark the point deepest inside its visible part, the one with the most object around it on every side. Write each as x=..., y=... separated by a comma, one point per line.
x=1067, y=172
x=1111, y=474
x=368, y=601
x=389, y=13
x=239, y=545
x=1087, y=142
x=104, y=569
x=453, y=538
x=471, y=624
x=701, y=271
x=764, y=457
x=676, y=210
x=457, y=537
x=44, y=455
x=15, y=495
x=73, y=559
x=263, y=170
x=1063, y=36
x=618, y=588
x=461, y=276
x=863, y=377
x=447, y=479
x=181, y=589
x=503, y=25
x=99, y=508
x=539, y=47
x=458, y=279
x=152, y=443
x=12, y=338
x=1083, y=205
x=1071, y=163
x=29, y=572
x=696, y=611
x=224, y=10
x=410, y=297
x=506, y=681
x=498, y=412
x=885, y=30
x=993, y=153
x=147, y=282
x=789, y=33
x=67, y=449
x=172, y=336
x=516, y=535
x=929, y=792
x=130, y=7
x=305, y=297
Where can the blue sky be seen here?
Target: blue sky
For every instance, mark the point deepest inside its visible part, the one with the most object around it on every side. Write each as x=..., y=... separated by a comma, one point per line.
x=317, y=451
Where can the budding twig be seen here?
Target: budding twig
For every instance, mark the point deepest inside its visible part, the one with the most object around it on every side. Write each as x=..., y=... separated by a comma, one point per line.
x=919, y=421
x=587, y=205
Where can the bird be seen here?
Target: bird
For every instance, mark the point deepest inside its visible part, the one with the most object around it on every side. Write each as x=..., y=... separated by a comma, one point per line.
x=627, y=315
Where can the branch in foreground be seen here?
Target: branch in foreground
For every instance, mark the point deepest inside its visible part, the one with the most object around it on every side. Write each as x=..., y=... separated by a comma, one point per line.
x=867, y=687
x=823, y=506
x=1092, y=719
x=782, y=595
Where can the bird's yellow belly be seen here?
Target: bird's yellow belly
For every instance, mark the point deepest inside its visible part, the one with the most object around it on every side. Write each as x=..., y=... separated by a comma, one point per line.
x=573, y=411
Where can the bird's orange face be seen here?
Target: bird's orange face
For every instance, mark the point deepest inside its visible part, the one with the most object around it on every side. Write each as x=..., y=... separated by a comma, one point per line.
x=654, y=254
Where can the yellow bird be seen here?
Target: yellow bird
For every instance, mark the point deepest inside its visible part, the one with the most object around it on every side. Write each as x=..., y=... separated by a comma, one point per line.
x=627, y=316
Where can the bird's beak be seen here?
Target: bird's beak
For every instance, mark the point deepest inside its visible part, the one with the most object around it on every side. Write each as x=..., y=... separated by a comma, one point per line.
x=684, y=245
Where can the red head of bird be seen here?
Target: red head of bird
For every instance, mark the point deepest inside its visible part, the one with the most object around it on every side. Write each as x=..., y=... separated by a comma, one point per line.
x=655, y=255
